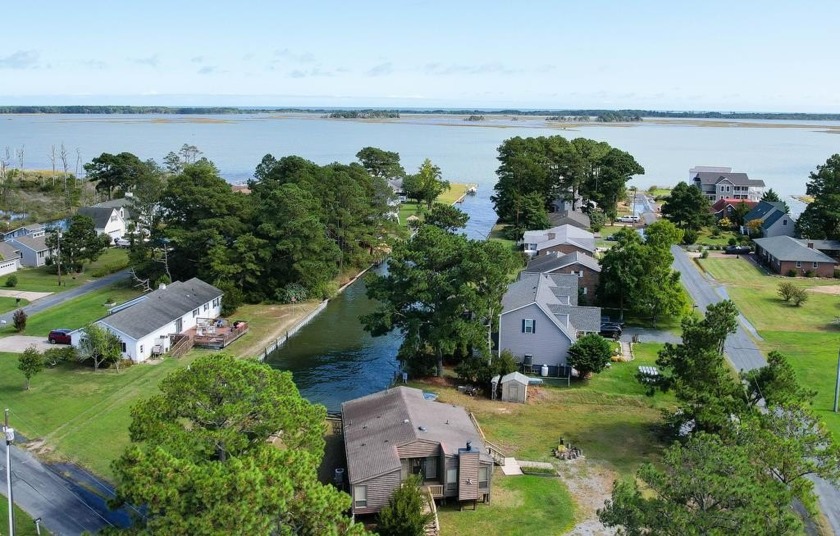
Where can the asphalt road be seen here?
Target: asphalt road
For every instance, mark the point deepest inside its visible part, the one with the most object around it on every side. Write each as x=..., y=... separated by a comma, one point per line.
x=59, y=297
x=42, y=493
x=743, y=353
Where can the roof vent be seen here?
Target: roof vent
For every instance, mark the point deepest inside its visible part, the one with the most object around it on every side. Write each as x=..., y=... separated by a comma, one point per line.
x=421, y=428
x=405, y=421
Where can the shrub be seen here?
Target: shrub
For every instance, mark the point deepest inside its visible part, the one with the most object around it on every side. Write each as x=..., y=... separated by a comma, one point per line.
x=19, y=319
x=837, y=273
x=810, y=273
x=591, y=353
x=792, y=273
x=799, y=297
x=786, y=290
x=56, y=356
x=716, y=232
x=733, y=242
x=11, y=281
x=403, y=515
x=292, y=293
x=705, y=254
x=690, y=236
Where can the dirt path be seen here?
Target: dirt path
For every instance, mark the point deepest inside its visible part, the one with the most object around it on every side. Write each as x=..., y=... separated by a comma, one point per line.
x=23, y=294
x=590, y=484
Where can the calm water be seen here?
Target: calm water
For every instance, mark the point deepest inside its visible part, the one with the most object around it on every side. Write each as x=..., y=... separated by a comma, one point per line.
x=332, y=358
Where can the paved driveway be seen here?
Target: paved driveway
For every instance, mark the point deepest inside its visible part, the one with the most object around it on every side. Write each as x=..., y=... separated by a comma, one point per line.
x=18, y=343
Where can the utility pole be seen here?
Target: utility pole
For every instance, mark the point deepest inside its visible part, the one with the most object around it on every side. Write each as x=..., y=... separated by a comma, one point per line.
x=837, y=385
x=58, y=237
x=10, y=437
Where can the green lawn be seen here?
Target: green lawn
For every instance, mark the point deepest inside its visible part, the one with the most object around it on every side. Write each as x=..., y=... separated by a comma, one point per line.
x=497, y=233
x=10, y=304
x=526, y=505
x=806, y=335
x=83, y=415
x=24, y=525
x=44, y=279
x=706, y=237
x=76, y=313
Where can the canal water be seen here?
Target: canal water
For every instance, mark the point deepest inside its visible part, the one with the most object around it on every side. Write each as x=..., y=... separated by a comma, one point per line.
x=333, y=359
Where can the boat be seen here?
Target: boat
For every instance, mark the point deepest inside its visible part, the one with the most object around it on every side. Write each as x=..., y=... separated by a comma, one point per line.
x=472, y=190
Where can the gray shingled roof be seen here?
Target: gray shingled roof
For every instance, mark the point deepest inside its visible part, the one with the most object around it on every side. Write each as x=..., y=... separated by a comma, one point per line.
x=161, y=307
x=100, y=215
x=8, y=251
x=35, y=244
x=581, y=318
x=738, y=179
x=122, y=202
x=557, y=261
x=823, y=245
x=785, y=248
x=376, y=425
x=570, y=217
x=568, y=234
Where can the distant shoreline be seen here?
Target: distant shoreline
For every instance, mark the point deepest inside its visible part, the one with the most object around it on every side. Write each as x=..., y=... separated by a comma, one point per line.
x=232, y=110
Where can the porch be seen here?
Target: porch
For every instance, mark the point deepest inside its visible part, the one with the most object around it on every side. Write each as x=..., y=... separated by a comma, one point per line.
x=216, y=333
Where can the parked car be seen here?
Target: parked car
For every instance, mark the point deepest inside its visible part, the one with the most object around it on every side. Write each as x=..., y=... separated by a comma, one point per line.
x=59, y=336
x=610, y=330
x=629, y=219
x=736, y=250
x=122, y=242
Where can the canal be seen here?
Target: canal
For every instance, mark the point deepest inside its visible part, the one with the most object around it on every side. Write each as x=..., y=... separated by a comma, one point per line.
x=333, y=359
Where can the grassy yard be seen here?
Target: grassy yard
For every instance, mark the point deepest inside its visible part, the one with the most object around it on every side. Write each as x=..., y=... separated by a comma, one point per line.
x=76, y=313
x=531, y=505
x=44, y=279
x=497, y=233
x=24, y=525
x=82, y=415
x=805, y=334
x=706, y=238
x=10, y=304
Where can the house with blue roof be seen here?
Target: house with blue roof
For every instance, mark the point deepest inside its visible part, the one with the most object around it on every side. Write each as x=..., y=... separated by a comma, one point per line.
x=771, y=219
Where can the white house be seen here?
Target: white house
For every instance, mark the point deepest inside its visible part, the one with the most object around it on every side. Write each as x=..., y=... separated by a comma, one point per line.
x=9, y=258
x=106, y=220
x=145, y=324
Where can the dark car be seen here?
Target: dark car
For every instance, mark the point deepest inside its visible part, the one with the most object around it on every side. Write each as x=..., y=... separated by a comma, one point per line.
x=610, y=330
x=59, y=336
x=736, y=250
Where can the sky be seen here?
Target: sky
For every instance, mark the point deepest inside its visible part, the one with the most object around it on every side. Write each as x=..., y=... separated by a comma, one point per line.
x=735, y=55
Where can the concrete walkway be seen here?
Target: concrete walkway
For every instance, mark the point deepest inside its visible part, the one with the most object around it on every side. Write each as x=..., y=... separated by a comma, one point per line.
x=511, y=467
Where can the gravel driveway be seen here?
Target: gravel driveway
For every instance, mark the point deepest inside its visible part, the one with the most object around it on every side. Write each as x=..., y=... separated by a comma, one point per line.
x=18, y=343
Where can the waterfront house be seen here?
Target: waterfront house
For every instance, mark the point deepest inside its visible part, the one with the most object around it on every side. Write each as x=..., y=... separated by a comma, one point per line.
x=541, y=319
x=563, y=239
x=721, y=183
x=146, y=325
x=395, y=433
x=726, y=208
x=785, y=255
x=9, y=258
x=106, y=220
x=570, y=217
x=575, y=263
x=771, y=219
x=35, y=230
x=33, y=249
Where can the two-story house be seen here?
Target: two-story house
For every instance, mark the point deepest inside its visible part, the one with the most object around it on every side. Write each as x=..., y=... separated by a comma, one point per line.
x=717, y=184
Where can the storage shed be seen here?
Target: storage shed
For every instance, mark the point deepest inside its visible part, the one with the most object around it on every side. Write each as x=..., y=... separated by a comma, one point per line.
x=514, y=387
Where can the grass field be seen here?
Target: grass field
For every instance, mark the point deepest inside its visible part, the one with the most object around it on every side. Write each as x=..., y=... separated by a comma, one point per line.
x=10, y=304
x=521, y=505
x=44, y=280
x=75, y=313
x=706, y=238
x=806, y=335
x=83, y=415
x=24, y=525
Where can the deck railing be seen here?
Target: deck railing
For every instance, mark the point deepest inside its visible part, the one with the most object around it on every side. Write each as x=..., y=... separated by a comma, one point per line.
x=181, y=344
x=433, y=526
x=493, y=450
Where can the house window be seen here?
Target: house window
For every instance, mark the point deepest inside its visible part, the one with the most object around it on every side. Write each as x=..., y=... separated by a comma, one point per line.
x=360, y=495
x=430, y=469
x=114, y=216
x=122, y=347
x=452, y=479
x=483, y=477
x=784, y=221
x=529, y=325
x=141, y=349
x=815, y=264
x=195, y=313
x=206, y=306
x=216, y=302
x=799, y=264
x=584, y=291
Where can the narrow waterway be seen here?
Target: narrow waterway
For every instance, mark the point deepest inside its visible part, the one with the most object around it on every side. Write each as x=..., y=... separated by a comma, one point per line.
x=333, y=359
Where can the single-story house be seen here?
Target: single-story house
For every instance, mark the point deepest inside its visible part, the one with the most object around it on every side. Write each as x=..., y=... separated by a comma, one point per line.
x=35, y=230
x=570, y=217
x=716, y=184
x=395, y=433
x=9, y=258
x=785, y=254
x=829, y=247
x=33, y=249
x=514, y=387
x=774, y=220
x=576, y=263
x=563, y=239
x=541, y=319
x=145, y=324
x=106, y=220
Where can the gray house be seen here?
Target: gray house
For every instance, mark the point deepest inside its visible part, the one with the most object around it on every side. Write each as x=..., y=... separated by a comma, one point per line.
x=395, y=433
x=720, y=183
x=541, y=319
x=33, y=249
x=570, y=217
x=774, y=220
x=563, y=239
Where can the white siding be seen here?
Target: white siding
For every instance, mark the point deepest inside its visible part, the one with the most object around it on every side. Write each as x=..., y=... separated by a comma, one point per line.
x=7, y=267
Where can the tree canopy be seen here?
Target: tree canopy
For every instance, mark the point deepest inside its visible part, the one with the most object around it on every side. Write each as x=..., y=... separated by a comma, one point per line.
x=821, y=218
x=230, y=446
x=116, y=172
x=79, y=243
x=687, y=208
x=590, y=353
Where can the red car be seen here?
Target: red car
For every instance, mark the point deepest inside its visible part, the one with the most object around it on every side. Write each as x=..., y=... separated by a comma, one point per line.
x=59, y=336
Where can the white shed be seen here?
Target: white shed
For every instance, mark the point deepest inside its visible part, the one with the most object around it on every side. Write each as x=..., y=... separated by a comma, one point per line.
x=514, y=387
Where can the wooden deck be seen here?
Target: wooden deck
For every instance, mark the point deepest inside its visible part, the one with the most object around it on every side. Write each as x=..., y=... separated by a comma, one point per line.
x=218, y=337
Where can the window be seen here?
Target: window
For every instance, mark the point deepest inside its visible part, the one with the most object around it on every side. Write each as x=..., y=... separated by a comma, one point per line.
x=216, y=302
x=360, y=496
x=584, y=291
x=114, y=216
x=430, y=469
x=452, y=479
x=483, y=477
x=799, y=264
x=195, y=313
x=206, y=306
x=815, y=265
x=528, y=325
x=784, y=221
x=122, y=347
x=141, y=349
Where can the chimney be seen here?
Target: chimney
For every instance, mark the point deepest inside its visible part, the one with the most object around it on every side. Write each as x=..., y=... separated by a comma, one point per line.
x=810, y=245
x=469, y=445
